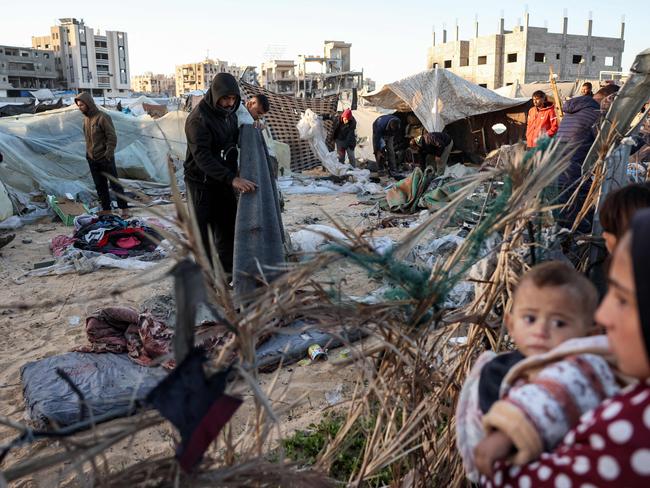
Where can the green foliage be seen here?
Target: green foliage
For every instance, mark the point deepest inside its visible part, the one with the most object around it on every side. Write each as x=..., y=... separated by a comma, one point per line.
x=304, y=446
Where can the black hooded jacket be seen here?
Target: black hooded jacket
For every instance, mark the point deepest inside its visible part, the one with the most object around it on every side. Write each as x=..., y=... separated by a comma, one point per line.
x=212, y=136
x=345, y=134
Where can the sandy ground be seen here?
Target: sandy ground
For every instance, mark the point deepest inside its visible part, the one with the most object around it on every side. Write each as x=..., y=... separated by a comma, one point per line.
x=43, y=329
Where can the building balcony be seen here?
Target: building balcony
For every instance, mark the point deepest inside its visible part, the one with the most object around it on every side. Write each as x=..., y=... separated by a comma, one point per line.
x=30, y=74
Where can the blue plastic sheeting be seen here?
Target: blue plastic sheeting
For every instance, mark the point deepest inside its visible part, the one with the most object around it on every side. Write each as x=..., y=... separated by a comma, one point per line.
x=110, y=384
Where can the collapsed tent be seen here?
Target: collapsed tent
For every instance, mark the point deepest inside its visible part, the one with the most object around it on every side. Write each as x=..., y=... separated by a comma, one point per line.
x=145, y=105
x=438, y=97
x=29, y=108
x=47, y=152
x=441, y=99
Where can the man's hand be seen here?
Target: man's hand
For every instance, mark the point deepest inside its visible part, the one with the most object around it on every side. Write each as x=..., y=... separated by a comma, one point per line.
x=495, y=447
x=243, y=185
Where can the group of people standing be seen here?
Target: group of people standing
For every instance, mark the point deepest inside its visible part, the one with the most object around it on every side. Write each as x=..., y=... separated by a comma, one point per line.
x=570, y=405
x=576, y=132
x=211, y=165
x=429, y=148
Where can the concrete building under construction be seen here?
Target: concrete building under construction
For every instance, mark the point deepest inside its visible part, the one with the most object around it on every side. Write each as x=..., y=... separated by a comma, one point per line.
x=526, y=53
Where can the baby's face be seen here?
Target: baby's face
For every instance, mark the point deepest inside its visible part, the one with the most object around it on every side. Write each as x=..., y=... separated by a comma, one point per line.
x=543, y=318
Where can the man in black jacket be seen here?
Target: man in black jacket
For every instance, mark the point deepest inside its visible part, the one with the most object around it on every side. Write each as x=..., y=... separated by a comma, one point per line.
x=211, y=165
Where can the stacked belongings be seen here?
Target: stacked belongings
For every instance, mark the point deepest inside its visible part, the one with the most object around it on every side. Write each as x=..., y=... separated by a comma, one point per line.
x=111, y=234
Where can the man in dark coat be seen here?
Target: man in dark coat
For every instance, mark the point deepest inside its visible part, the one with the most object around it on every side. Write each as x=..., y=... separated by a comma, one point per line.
x=101, y=140
x=344, y=134
x=576, y=133
x=384, y=130
x=434, y=149
x=211, y=165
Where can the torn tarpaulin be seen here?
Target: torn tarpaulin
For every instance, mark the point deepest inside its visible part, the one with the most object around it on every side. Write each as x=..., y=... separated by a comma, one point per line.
x=196, y=405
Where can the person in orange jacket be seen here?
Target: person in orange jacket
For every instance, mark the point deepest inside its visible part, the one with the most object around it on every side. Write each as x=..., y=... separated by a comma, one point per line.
x=541, y=119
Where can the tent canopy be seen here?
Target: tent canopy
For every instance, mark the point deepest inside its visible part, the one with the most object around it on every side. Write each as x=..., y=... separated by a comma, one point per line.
x=438, y=97
x=525, y=91
x=47, y=151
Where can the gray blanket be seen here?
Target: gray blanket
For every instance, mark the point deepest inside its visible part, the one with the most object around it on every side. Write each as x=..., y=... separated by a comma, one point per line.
x=259, y=234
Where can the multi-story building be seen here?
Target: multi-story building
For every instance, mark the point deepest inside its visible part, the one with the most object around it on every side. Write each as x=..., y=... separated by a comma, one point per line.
x=87, y=60
x=156, y=84
x=23, y=68
x=198, y=76
x=279, y=76
x=526, y=53
x=314, y=75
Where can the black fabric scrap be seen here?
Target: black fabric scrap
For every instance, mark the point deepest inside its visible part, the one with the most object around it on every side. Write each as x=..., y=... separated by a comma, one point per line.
x=196, y=405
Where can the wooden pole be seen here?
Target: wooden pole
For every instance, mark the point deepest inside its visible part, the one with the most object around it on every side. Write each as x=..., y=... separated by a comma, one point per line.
x=556, y=95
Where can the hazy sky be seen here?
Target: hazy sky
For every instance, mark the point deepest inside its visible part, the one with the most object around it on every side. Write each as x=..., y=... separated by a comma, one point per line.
x=389, y=39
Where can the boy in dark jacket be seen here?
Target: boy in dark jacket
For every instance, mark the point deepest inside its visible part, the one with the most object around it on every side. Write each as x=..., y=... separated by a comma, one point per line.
x=344, y=133
x=211, y=165
x=100, y=152
x=384, y=130
x=434, y=149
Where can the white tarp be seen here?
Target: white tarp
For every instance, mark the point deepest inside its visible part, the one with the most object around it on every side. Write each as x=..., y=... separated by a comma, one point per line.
x=438, y=97
x=43, y=94
x=310, y=127
x=566, y=89
x=47, y=151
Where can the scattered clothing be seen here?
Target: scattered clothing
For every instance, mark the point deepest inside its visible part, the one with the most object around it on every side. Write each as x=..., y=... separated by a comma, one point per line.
x=405, y=195
x=541, y=121
x=60, y=244
x=146, y=339
x=114, y=235
x=197, y=406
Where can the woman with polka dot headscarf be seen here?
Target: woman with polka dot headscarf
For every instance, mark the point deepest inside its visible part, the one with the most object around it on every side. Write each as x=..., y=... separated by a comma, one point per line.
x=611, y=444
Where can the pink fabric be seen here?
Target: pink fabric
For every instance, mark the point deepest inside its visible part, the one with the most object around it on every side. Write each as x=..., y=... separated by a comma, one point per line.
x=128, y=242
x=59, y=244
x=124, y=330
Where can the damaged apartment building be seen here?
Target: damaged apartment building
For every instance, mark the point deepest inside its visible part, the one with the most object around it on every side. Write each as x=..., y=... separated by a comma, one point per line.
x=155, y=84
x=86, y=60
x=199, y=76
x=316, y=75
x=22, y=68
x=525, y=54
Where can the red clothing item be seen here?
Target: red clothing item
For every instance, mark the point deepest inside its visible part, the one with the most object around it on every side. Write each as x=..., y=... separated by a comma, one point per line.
x=540, y=120
x=609, y=447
